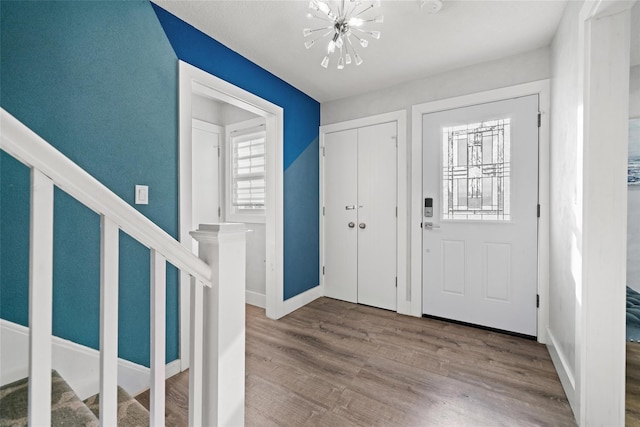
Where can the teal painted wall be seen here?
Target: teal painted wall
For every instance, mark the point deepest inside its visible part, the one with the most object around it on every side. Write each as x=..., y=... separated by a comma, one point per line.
x=98, y=80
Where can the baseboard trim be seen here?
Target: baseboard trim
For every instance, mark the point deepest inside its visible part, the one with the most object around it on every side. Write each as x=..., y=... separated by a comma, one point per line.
x=256, y=299
x=78, y=364
x=300, y=300
x=563, y=369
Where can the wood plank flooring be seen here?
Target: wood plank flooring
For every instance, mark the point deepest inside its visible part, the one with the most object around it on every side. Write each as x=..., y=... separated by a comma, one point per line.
x=333, y=363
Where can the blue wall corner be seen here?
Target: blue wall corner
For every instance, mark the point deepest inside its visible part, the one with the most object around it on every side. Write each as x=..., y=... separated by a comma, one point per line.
x=98, y=80
x=301, y=234
x=302, y=113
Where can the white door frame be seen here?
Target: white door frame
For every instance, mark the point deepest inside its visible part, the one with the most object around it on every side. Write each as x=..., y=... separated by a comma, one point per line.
x=193, y=81
x=540, y=88
x=603, y=78
x=400, y=117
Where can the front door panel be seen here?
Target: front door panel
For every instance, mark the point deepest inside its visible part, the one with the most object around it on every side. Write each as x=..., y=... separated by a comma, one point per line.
x=480, y=167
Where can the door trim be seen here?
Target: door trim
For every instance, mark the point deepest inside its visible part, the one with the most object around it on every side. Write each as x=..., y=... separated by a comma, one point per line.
x=540, y=88
x=403, y=295
x=192, y=81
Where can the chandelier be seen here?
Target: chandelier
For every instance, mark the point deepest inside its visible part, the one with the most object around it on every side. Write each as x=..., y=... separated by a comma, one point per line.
x=345, y=30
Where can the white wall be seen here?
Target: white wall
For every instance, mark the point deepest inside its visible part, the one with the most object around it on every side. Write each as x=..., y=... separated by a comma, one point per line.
x=523, y=68
x=566, y=197
x=590, y=64
x=207, y=110
x=633, y=209
x=256, y=264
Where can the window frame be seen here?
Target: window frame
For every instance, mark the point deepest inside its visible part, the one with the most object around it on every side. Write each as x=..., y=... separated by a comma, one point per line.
x=233, y=131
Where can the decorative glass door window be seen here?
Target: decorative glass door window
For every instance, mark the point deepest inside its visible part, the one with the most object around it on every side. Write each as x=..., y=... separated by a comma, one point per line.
x=476, y=171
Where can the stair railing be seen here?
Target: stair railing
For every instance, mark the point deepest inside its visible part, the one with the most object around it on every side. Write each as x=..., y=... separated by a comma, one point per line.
x=218, y=306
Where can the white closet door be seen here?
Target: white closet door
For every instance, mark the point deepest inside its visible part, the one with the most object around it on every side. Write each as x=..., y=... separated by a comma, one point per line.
x=340, y=218
x=205, y=175
x=377, y=185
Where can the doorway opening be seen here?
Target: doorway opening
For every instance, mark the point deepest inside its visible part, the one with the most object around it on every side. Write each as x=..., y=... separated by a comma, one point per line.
x=214, y=113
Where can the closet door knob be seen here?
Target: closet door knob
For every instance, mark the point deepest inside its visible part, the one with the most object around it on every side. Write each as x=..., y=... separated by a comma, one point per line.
x=352, y=224
x=362, y=225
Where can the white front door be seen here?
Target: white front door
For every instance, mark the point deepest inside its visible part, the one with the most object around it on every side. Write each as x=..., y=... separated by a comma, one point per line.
x=359, y=190
x=480, y=175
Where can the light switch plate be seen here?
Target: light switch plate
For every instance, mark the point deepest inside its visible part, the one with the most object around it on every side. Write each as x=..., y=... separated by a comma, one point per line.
x=142, y=194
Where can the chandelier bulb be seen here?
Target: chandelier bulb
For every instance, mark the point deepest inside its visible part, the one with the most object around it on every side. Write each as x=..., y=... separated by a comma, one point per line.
x=347, y=59
x=357, y=59
x=364, y=43
x=306, y=32
x=378, y=19
x=375, y=34
x=323, y=7
x=309, y=43
x=325, y=62
x=340, y=63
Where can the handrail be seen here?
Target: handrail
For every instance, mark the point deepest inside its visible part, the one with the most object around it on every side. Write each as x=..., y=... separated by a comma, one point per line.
x=29, y=148
x=221, y=261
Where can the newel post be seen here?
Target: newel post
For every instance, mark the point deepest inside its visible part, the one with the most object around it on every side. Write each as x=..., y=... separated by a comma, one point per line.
x=223, y=247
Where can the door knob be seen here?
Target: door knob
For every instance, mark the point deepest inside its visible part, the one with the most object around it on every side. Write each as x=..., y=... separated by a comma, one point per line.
x=362, y=225
x=351, y=224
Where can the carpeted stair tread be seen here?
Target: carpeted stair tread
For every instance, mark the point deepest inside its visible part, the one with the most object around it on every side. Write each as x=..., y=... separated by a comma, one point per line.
x=130, y=412
x=66, y=408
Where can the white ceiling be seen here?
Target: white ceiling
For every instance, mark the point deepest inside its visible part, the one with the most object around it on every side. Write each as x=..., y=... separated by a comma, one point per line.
x=414, y=44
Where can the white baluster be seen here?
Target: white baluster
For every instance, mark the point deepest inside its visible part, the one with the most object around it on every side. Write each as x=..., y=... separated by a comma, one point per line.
x=40, y=299
x=158, y=327
x=109, y=234
x=223, y=247
x=196, y=356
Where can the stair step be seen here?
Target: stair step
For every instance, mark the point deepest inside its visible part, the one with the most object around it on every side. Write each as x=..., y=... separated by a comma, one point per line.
x=66, y=408
x=130, y=412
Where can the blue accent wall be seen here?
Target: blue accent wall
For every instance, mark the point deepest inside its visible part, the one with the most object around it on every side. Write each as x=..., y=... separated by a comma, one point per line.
x=301, y=234
x=301, y=123
x=98, y=80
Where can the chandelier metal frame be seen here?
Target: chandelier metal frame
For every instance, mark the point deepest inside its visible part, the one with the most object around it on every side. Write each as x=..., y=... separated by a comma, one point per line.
x=346, y=19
